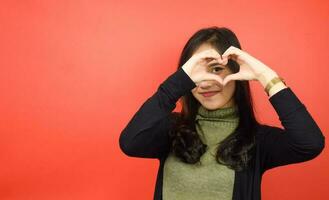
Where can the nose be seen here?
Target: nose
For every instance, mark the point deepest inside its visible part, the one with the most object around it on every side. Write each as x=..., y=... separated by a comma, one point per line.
x=206, y=84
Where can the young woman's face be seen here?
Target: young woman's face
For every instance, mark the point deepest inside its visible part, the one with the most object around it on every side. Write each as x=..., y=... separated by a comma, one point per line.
x=223, y=96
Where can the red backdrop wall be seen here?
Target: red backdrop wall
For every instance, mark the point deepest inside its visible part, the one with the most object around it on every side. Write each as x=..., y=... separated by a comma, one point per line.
x=73, y=73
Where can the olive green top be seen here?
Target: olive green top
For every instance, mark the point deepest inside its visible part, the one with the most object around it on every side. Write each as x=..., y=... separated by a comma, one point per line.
x=210, y=180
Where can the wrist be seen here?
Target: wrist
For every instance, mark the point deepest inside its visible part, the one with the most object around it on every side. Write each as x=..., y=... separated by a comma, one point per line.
x=271, y=82
x=266, y=77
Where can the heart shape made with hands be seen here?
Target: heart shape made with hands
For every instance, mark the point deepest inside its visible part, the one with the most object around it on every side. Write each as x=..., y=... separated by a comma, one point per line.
x=250, y=68
x=216, y=63
x=222, y=61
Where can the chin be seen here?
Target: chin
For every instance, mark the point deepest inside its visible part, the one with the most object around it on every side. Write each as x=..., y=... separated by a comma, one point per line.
x=212, y=106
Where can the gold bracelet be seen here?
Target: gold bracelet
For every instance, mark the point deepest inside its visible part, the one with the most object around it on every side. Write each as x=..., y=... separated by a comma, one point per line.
x=272, y=82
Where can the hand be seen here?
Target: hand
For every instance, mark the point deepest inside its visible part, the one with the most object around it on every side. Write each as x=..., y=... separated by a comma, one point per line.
x=250, y=67
x=198, y=70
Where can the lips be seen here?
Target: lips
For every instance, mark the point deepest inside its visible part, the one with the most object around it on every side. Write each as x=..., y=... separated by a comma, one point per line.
x=209, y=94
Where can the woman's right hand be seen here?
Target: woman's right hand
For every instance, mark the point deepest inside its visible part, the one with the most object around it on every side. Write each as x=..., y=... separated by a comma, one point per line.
x=198, y=70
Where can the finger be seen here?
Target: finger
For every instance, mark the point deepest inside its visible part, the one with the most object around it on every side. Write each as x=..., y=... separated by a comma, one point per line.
x=231, y=52
x=210, y=53
x=213, y=77
x=231, y=77
x=222, y=61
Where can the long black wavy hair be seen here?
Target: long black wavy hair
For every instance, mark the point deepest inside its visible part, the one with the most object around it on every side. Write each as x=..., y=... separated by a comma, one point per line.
x=237, y=150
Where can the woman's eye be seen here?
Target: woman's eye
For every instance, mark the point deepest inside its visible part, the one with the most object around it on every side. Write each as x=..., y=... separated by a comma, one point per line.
x=217, y=69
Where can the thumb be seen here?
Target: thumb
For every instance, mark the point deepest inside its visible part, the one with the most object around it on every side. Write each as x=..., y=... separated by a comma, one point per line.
x=214, y=77
x=230, y=77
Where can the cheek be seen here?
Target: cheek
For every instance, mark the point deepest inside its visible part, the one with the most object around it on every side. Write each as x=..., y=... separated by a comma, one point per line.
x=197, y=96
x=194, y=92
x=229, y=88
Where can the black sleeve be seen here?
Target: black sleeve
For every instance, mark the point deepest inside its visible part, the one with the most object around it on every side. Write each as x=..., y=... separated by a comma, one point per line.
x=146, y=134
x=300, y=140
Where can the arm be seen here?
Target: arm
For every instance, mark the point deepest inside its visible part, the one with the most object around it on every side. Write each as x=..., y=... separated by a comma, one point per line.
x=299, y=141
x=146, y=134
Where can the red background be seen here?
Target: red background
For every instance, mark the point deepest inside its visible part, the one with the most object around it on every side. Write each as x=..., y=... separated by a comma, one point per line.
x=72, y=74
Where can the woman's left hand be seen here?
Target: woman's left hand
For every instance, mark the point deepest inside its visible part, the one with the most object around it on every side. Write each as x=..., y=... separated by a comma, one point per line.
x=250, y=67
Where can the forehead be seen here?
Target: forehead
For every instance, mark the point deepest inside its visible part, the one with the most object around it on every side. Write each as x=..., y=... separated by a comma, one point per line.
x=203, y=47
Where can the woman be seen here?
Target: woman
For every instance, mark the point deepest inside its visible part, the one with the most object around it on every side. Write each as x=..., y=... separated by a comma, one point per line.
x=215, y=148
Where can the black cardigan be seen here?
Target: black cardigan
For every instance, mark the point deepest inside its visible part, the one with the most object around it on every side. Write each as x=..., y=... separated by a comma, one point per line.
x=146, y=135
